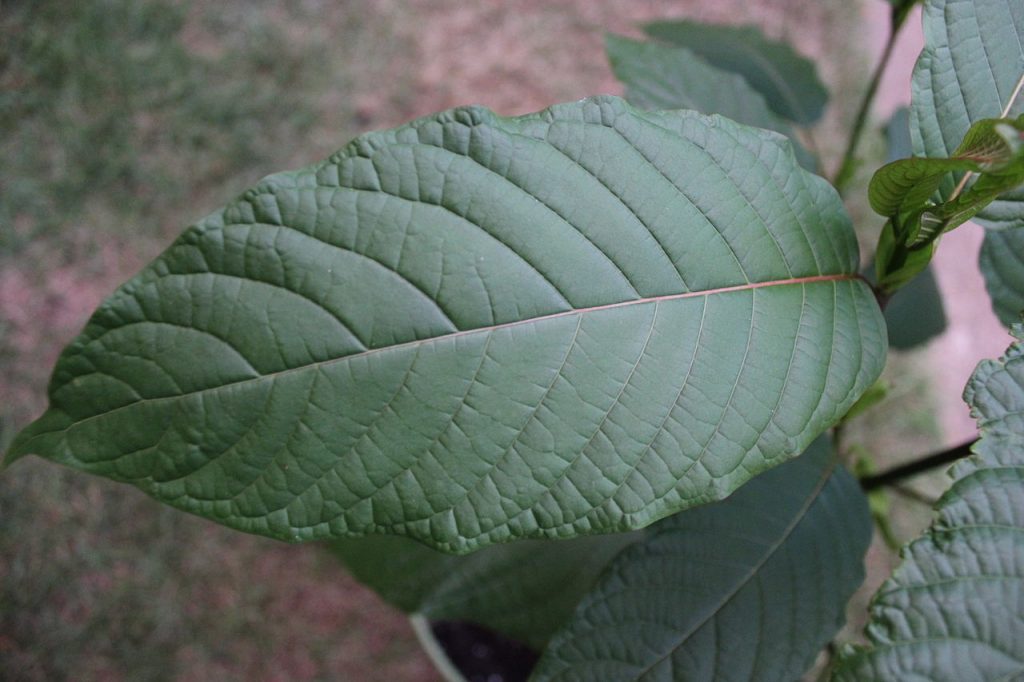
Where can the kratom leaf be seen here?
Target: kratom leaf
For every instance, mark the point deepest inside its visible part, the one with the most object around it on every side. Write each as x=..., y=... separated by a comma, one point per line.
x=746, y=589
x=471, y=329
x=915, y=314
x=788, y=81
x=972, y=60
x=525, y=590
x=659, y=76
x=1002, y=264
x=903, y=190
x=952, y=611
x=897, y=136
x=896, y=265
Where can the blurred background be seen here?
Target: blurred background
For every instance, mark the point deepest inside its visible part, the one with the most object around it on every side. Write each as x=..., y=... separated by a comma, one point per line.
x=123, y=121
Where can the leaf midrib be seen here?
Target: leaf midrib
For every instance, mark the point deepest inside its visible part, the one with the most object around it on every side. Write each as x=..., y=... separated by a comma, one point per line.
x=812, y=279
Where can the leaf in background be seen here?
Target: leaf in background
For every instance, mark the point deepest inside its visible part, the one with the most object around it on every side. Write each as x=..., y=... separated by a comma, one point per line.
x=471, y=329
x=953, y=610
x=659, y=76
x=972, y=60
x=788, y=81
x=1002, y=264
x=525, y=590
x=915, y=314
x=746, y=589
x=897, y=136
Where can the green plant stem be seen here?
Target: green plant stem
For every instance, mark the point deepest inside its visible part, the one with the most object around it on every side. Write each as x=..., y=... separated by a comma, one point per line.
x=849, y=163
x=914, y=467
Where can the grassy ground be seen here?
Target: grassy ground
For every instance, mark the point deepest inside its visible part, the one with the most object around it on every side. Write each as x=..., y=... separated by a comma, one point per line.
x=121, y=121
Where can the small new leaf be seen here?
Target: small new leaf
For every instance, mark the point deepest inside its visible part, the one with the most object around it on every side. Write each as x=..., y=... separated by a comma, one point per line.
x=904, y=191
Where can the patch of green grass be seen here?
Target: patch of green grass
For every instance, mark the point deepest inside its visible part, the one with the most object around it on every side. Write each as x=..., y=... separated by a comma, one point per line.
x=105, y=102
x=121, y=121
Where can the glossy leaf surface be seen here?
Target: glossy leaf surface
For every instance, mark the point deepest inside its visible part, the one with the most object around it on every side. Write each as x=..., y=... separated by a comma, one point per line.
x=471, y=329
x=746, y=589
x=903, y=190
x=953, y=610
x=788, y=81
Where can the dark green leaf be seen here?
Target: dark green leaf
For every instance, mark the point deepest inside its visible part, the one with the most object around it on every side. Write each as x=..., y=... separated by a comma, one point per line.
x=1002, y=264
x=659, y=76
x=525, y=589
x=897, y=135
x=747, y=589
x=788, y=81
x=952, y=610
x=915, y=314
x=972, y=60
x=471, y=329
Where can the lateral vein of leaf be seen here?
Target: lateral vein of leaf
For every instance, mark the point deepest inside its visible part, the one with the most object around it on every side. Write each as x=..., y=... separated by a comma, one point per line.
x=531, y=196
x=814, y=279
x=632, y=211
x=754, y=570
x=957, y=579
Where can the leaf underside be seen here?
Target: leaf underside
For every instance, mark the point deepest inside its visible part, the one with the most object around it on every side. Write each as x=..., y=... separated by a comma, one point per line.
x=472, y=329
x=953, y=610
x=749, y=588
x=972, y=59
x=1002, y=264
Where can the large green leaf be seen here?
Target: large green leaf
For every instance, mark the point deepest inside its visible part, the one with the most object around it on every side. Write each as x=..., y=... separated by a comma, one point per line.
x=659, y=76
x=471, y=329
x=788, y=81
x=972, y=60
x=526, y=589
x=954, y=610
x=747, y=589
x=1002, y=264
